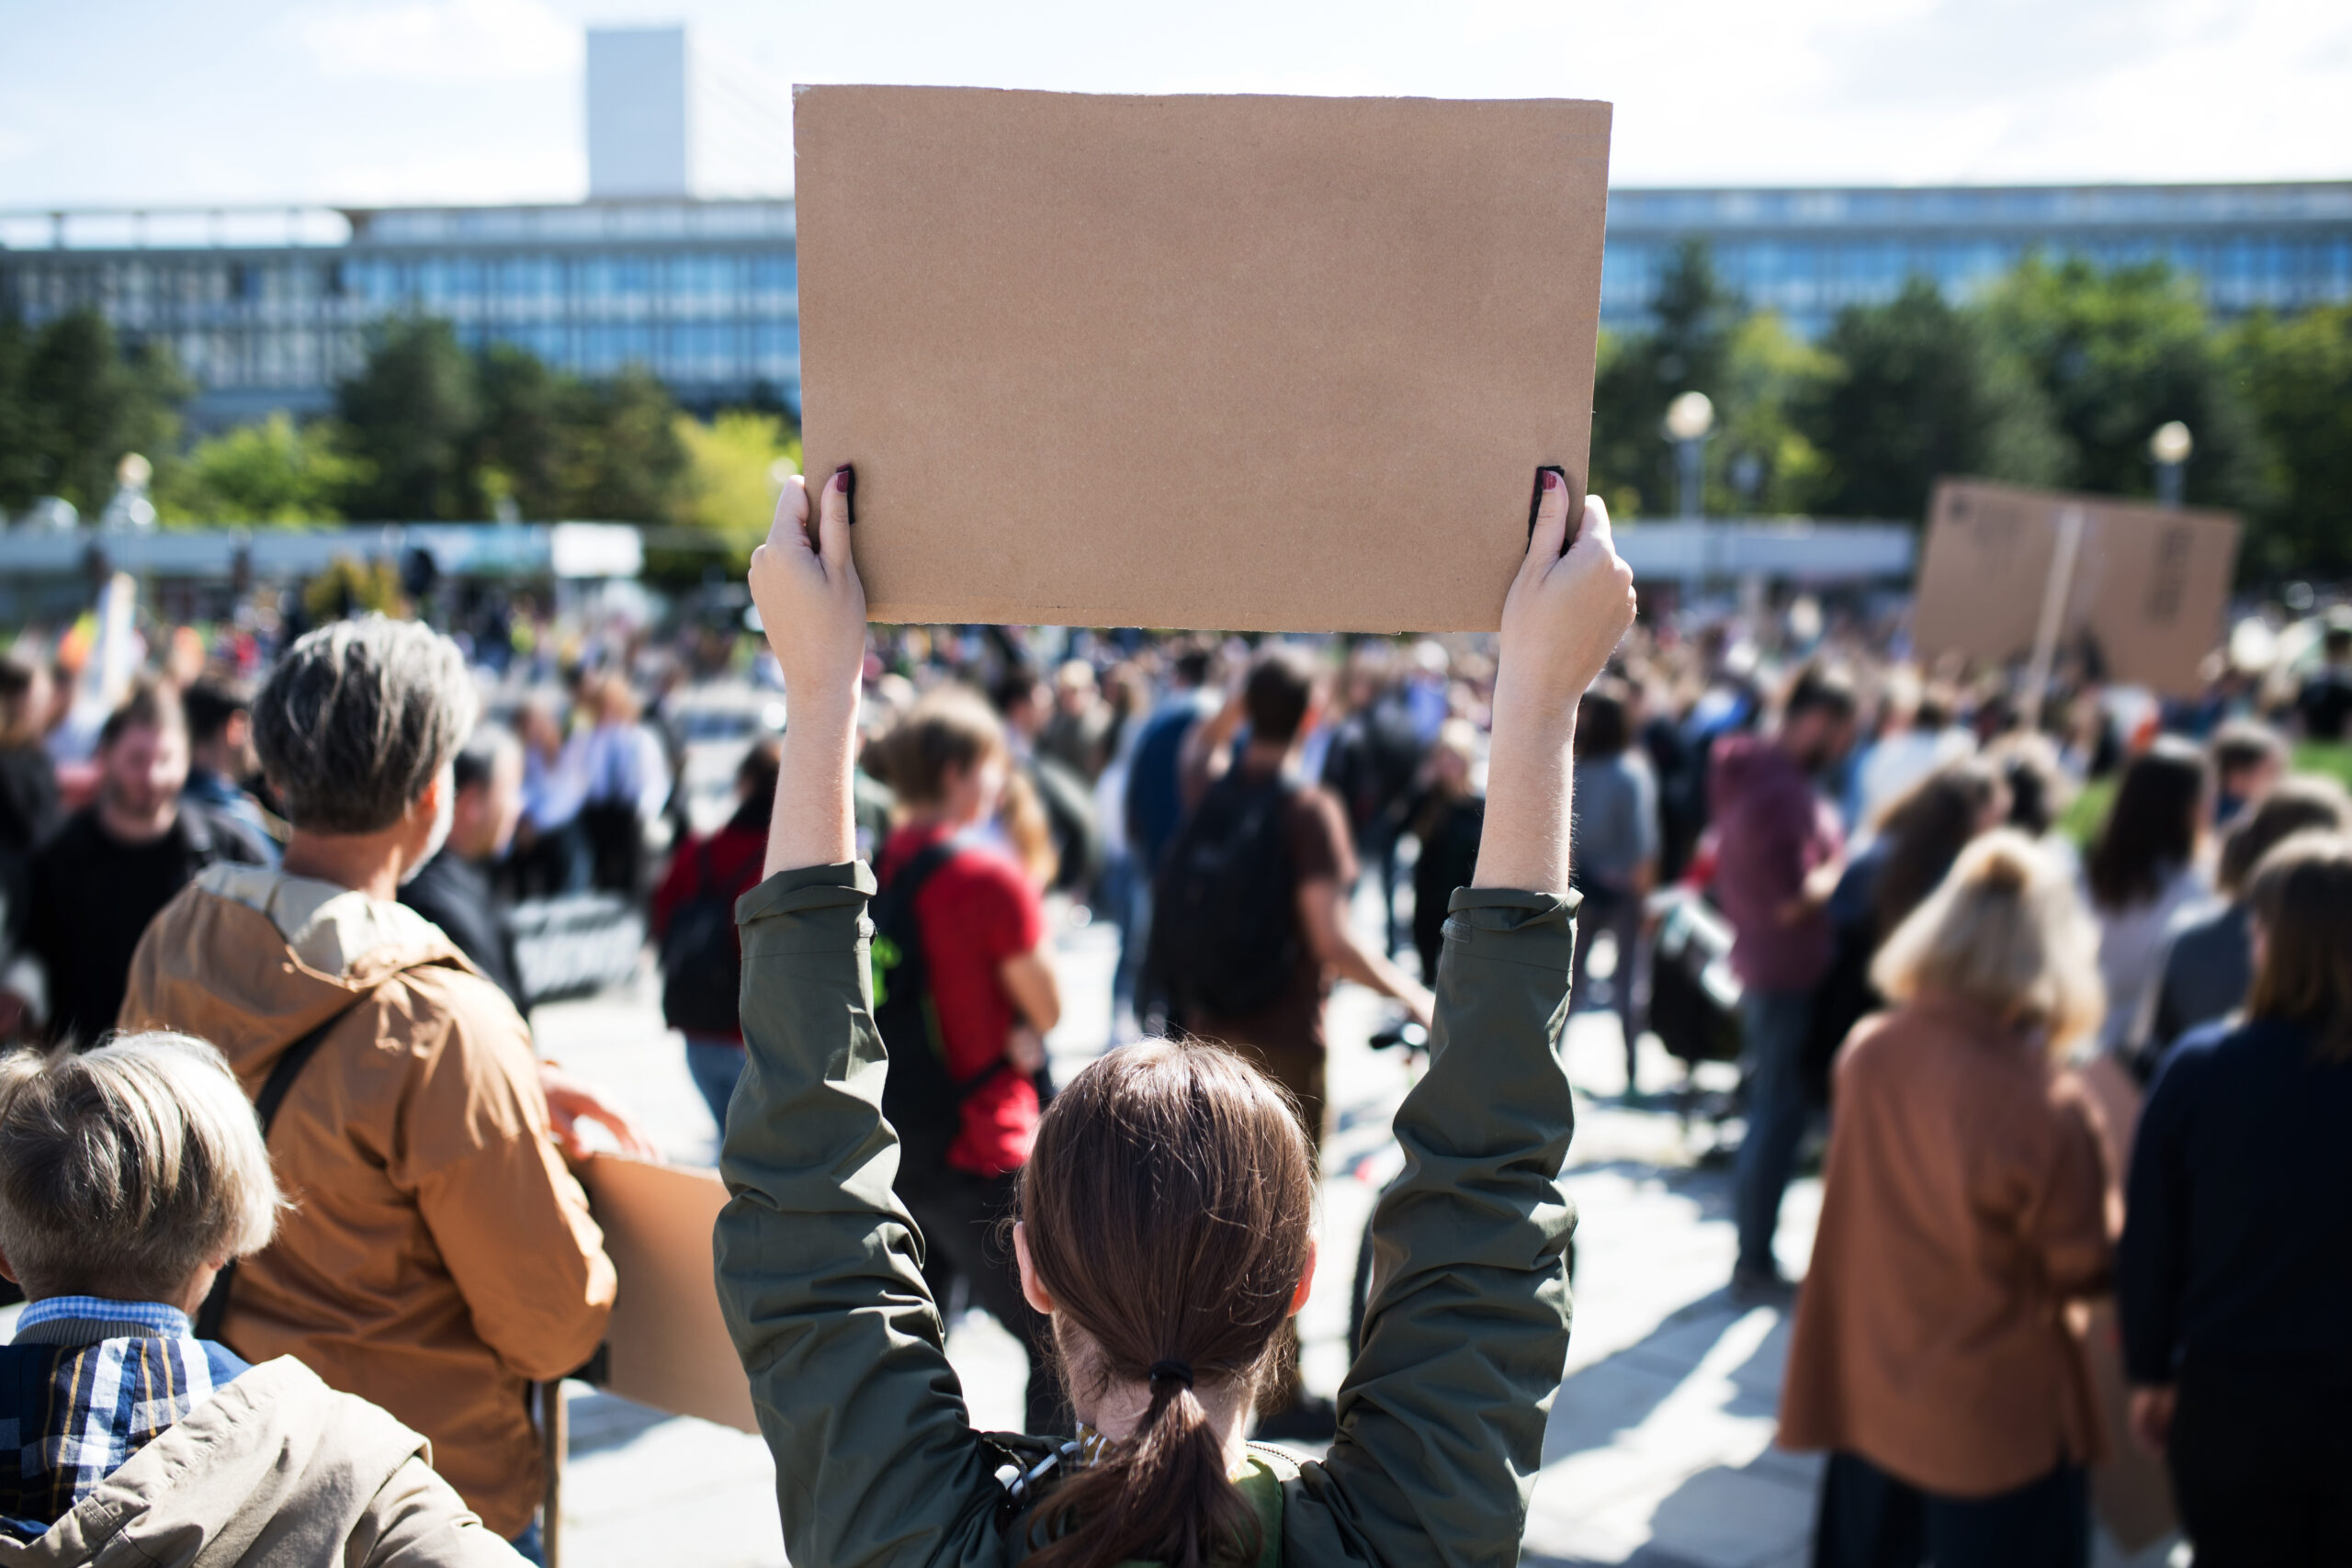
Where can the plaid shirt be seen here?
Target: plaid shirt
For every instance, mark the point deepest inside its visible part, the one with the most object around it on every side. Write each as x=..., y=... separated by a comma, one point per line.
x=87, y=1383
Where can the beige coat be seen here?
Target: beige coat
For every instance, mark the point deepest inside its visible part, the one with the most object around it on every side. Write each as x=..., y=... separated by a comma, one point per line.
x=275, y=1470
x=439, y=1255
x=1962, y=1208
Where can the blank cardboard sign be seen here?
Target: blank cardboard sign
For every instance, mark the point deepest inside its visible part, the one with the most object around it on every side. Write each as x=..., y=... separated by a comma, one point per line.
x=1248, y=362
x=2146, y=599
x=667, y=1346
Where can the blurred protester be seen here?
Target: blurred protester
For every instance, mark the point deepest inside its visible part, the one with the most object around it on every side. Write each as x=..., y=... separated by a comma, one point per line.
x=693, y=925
x=1249, y=928
x=1117, y=896
x=131, y=1177
x=28, y=801
x=551, y=845
x=1912, y=847
x=1045, y=791
x=1919, y=736
x=454, y=889
x=960, y=940
x=628, y=774
x=1777, y=857
x=2324, y=703
x=1447, y=821
x=1076, y=735
x=220, y=760
x=1615, y=831
x=1153, y=808
x=1962, y=1209
x=2248, y=757
x=2209, y=956
x=443, y=1257
x=1372, y=764
x=103, y=875
x=2143, y=871
x=2235, y=1274
x=2040, y=789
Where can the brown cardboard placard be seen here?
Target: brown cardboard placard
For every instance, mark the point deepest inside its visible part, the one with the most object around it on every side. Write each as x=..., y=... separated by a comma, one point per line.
x=1231, y=362
x=2145, y=601
x=667, y=1347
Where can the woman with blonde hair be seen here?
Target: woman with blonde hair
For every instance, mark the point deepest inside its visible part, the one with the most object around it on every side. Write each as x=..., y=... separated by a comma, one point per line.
x=1964, y=1208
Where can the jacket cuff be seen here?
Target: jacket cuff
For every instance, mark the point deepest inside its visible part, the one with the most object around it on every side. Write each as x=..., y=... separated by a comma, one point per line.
x=1514, y=924
x=805, y=890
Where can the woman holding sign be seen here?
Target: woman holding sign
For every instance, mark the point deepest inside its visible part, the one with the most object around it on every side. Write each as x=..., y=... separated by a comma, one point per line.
x=1165, y=1216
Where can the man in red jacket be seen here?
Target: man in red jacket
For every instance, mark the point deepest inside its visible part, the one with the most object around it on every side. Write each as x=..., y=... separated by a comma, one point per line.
x=694, y=910
x=1778, y=842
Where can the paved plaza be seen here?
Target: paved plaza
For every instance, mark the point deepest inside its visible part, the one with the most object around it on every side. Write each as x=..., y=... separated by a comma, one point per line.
x=1660, y=1448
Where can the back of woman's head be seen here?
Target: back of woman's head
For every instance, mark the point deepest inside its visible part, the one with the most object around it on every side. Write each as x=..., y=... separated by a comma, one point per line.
x=1167, y=1210
x=2308, y=803
x=1925, y=828
x=2004, y=932
x=2301, y=900
x=2151, y=829
x=1604, y=719
x=950, y=730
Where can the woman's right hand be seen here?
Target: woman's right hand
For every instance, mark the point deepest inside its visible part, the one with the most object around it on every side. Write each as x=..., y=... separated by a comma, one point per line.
x=811, y=605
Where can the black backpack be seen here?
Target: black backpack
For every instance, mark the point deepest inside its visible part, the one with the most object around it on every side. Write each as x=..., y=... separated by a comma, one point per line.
x=922, y=1103
x=702, y=966
x=1225, y=934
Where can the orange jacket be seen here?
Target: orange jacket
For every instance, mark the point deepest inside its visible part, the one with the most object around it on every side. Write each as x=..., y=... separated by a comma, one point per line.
x=438, y=1255
x=1964, y=1208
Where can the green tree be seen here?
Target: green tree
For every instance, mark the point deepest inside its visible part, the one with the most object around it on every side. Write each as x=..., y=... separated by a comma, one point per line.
x=83, y=402
x=277, y=471
x=2117, y=353
x=518, y=447
x=1917, y=389
x=21, y=467
x=623, y=460
x=1760, y=460
x=411, y=417
x=1687, y=348
x=2296, y=373
x=732, y=479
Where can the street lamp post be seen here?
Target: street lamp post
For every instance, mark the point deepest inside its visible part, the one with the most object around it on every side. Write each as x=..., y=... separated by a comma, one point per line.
x=1689, y=418
x=2168, y=448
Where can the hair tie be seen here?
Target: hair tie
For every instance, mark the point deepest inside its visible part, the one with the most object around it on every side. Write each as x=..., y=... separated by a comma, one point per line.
x=1179, y=1370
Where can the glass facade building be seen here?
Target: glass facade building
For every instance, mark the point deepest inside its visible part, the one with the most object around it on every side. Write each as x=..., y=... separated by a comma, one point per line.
x=268, y=308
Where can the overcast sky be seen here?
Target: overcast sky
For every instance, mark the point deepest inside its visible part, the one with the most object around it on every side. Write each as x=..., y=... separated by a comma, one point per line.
x=363, y=101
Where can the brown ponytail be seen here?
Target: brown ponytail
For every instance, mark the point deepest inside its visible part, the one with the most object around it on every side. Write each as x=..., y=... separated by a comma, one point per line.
x=1166, y=1210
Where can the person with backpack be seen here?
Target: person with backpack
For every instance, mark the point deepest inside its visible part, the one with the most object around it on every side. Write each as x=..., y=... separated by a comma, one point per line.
x=694, y=924
x=960, y=978
x=1250, y=927
x=1165, y=1223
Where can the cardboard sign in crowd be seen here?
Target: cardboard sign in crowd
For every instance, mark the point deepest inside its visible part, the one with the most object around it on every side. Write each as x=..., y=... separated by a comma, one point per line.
x=2147, y=588
x=1243, y=363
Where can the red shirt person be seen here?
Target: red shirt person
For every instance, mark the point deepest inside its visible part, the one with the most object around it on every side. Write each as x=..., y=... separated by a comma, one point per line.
x=982, y=926
x=697, y=900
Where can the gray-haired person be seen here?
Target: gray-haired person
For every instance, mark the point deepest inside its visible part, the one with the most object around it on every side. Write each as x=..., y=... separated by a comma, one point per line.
x=443, y=1257
x=130, y=1177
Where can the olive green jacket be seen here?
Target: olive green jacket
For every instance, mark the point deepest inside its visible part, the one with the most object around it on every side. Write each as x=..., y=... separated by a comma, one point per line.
x=1441, y=1417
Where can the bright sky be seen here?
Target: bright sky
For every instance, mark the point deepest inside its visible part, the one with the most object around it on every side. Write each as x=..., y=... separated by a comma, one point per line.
x=361, y=101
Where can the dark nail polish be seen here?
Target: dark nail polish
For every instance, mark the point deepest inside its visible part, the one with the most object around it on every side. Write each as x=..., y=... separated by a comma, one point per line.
x=1552, y=480
x=846, y=476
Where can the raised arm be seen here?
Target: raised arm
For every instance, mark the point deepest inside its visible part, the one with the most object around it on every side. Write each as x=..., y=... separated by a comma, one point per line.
x=819, y=1266
x=1441, y=1417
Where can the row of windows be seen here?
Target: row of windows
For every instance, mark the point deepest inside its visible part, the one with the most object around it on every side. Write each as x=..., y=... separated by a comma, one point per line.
x=2141, y=206
x=697, y=352
x=2240, y=272
x=454, y=283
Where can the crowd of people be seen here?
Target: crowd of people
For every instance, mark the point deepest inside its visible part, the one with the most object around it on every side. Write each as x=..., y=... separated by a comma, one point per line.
x=2052, y=1070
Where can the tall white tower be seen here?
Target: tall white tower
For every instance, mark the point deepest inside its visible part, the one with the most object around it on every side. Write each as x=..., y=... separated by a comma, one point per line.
x=637, y=112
